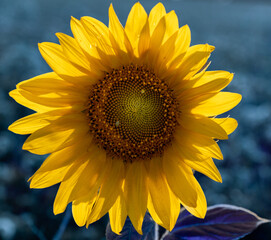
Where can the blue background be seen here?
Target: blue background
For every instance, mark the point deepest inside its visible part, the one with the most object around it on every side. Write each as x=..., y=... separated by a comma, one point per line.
x=241, y=33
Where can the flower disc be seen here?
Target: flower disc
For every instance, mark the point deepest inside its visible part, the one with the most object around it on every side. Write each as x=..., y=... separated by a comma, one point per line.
x=132, y=113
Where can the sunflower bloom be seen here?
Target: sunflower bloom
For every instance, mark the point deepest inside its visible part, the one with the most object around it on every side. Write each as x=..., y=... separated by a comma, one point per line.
x=126, y=115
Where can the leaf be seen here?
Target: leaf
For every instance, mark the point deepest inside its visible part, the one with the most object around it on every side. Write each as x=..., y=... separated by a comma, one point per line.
x=225, y=222
x=129, y=233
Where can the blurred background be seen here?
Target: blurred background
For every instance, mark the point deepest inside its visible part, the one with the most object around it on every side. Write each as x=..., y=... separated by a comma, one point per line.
x=241, y=33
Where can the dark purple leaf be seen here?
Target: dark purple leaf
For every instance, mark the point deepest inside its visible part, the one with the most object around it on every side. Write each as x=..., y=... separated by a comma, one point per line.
x=225, y=222
x=129, y=233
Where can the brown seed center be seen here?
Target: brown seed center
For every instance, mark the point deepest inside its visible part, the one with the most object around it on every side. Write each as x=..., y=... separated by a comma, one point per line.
x=132, y=113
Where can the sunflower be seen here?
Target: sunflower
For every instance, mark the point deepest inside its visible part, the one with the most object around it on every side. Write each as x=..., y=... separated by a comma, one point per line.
x=127, y=114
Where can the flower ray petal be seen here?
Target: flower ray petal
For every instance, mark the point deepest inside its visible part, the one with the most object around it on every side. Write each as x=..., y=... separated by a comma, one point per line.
x=201, y=206
x=203, y=125
x=132, y=28
x=59, y=134
x=73, y=52
x=194, y=59
x=118, y=214
x=218, y=104
x=81, y=208
x=108, y=192
x=136, y=194
x=228, y=124
x=25, y=102
x=119, y=38
x=206, y=167
x=157, y=12
x=166, y=205
x=179, y=178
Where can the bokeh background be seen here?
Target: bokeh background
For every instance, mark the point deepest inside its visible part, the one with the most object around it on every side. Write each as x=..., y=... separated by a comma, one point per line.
x=241, y=33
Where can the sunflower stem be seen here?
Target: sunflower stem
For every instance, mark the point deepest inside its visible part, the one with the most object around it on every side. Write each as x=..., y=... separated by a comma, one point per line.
x=156, y=231
x=63, y=224
x=29, y=221
x=164, y=235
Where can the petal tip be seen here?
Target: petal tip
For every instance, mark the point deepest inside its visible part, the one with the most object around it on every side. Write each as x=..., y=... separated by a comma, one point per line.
x=211, y=48
x=59, y=35
x=111, y=8
x=73, y=20
x=40, y=45
x=240, y=97
x=10, y=127
x=12, y=92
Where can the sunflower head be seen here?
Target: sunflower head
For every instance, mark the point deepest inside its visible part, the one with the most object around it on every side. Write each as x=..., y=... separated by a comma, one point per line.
x=126, y=115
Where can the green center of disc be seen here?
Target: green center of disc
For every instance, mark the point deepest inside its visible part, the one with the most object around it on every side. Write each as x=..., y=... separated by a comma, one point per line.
x=136, y=110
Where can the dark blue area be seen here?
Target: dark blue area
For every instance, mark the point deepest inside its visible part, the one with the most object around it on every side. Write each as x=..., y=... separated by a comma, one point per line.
x=241, y=33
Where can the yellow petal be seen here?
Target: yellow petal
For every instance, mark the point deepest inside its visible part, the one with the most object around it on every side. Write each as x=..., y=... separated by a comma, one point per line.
x=64, y=157
x=202, y=125
x=81, y=209
x=201, y=206
x=220, y=103
x=57, y=100
x=199, y=143
x=31, y=123
x=61, y=133
x=153, y=213
x=144, y=40
x=98, y=34
x=175, y=206
x=50, y=90
x=172, y=24
x=48, y=83
x=211, y=86
x=206, y=167
x=136, y=194
x=109, y=191
x=179, y=178
x=118, y=215
x=23, y=101
x=90, y=179
x=115, y=27
x=68, y=183
x=173, y=51
x=158, y=34
x=156, y=42
x=83, y=178
x=210, y=76
x=135, y=22
x=195, y=58
x=182, y=85
x=102, y=52
x=118, y=37
x=89, y=43
x=82, y=38
x=48, y=178
x=164, y=204
x=166, y=52
x=157, y=12
x=228, y=124
x=54, y=56
x=42, y=77
x=181, y=45
x=73, y=52
x=187, y=152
